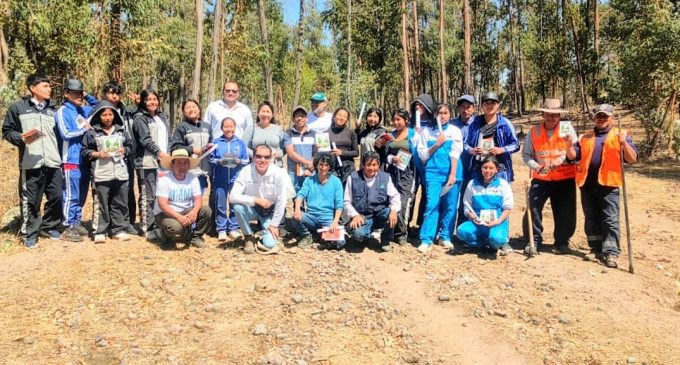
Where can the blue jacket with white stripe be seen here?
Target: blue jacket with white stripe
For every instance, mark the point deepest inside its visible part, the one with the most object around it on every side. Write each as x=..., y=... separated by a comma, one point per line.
x=70, y=119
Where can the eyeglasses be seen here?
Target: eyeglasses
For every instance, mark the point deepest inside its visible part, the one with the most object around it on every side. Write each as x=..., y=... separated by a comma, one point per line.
x=263, y=157
x=230, y=91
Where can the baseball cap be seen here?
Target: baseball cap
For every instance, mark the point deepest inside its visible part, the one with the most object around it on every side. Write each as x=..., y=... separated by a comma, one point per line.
x=465, y=99
x=604, y=108
x=319, y=97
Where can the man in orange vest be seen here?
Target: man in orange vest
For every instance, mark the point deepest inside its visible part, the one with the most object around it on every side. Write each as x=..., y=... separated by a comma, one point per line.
x=598, y=174
x=545, y=150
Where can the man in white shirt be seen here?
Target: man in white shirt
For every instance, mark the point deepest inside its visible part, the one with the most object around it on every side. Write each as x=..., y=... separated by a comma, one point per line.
x=372, y=202
x=319, y=120
x=229, y=106
x=179, y=210
x=260, y=192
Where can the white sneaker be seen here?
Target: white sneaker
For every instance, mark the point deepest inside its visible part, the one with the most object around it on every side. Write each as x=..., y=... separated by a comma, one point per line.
x=446, y=244
x=99, y=238
x=222, y=236
x=424, y=248
x=235, y=234
x=122, y=236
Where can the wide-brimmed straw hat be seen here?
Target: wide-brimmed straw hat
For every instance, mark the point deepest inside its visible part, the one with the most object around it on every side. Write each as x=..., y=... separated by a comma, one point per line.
x=177, y=154
x=552, y=106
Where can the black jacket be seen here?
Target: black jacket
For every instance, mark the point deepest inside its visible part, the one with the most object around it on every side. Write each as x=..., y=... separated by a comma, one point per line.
x=145, y=135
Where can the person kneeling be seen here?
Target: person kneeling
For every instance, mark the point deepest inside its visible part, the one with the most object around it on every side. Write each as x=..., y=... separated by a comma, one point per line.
x=179, y=210
x=260, y=192
x=372, y=202
x=323, y=194
x=487, y=201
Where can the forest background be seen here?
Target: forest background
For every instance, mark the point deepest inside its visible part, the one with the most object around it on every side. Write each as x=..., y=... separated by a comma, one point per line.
x=383, y=52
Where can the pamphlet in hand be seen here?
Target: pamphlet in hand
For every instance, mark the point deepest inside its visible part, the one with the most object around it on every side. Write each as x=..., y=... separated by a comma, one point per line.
x=486, y=143
x=565, y=128
x=383, y=140
x=323, y=142
x=32, y=135
x=207, y=152
x=405, y=158
x=327, y=235
x=487, y=215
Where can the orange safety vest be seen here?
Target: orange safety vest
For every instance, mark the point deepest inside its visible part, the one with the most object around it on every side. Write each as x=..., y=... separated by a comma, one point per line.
x=609, y=173
x=551, y=151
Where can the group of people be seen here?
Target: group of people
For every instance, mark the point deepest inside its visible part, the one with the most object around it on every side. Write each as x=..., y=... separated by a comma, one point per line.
x=461, y=165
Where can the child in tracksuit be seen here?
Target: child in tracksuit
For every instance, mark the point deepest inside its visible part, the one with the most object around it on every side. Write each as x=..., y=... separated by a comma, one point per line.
x=106, y=145
x=71, y=123
x=227, y=159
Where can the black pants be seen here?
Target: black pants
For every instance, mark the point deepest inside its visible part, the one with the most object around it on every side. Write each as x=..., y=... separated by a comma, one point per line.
x=173, y=229
x=35, y=183
x=131, y=201
x=601, y=210
x=562, y=195
x=146, y=180
x=110, y=207
x=407, y=196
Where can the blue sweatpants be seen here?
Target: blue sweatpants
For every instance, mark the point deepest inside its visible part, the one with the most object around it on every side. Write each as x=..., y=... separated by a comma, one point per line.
x=76, y=187
x=445, y=207
x=479, y=236
x=224, y=221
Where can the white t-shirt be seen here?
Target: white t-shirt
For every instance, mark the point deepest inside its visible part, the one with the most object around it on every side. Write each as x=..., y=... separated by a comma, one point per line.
x=162, y=134
x=218, y=110
x=180, y=194
x=320, y=124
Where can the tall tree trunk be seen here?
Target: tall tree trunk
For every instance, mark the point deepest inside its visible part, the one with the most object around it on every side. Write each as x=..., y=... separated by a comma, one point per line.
x=116, y=57
x=404, y=46
x=298, y=63
x=417, y=69
x=4, y=58
x=596, y=49
x=581, y=74
x=218, y=30
x=467, y=48
x=348, y=98
x=196, y=85
x=267, y=58
x=444, y=88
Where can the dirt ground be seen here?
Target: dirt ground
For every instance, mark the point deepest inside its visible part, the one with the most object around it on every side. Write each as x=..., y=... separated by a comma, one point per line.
x=132, y=303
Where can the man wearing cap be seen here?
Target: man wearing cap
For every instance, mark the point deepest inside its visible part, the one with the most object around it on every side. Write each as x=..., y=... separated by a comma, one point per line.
x=491, y=134
x=466, y=112
x=545, y=149
x=229, y=106
x=320, y=120
x=29, y=125
x=179, y=210
x=299, y=143
x=599, y=175
x=72, y=124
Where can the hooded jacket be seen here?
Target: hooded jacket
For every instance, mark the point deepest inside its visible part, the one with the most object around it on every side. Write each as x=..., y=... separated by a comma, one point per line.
x=96, y=139
x=189, y=135
x=24, y=116
x=367, y=137
x=70, y=120
x=145, y=134
x=427, y=118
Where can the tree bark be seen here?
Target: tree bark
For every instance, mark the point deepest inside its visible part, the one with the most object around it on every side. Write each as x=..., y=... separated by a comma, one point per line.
x=405, y=64
x=596, y=49
x=348, y=98
x=267, y=58
x=443, y=91
x=218, y=30
x=196, y=85
x=417, y=70
x=298, y=63
x=582, y=76
x=4, y=58
x=467, y=48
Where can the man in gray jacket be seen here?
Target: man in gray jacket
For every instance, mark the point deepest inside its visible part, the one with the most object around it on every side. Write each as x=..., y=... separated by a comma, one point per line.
x=30, y=126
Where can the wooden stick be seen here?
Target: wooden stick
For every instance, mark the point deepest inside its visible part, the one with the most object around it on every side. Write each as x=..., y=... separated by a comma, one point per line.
x=530, y=221
x=625, y=206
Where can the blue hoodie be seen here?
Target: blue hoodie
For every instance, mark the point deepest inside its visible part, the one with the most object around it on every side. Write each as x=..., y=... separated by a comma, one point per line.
x=68, y=118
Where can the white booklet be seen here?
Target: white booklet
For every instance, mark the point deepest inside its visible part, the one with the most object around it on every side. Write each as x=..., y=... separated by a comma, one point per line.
x=487, y=215
x=323, y=142
x=405, y=158
x=565, y=128
x=209, y=151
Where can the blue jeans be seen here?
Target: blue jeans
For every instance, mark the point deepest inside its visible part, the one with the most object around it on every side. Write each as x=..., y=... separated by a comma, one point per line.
x=446, y=206
x=601, y=210
x=373, y=222
x=296, y=180
x=244, y=214
x=310, y=224
x=477, y=236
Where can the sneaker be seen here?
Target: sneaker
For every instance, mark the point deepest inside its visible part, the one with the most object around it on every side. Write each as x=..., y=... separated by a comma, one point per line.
x=197, y=242
x=446, y=244
x=268, y=251
x=249, y=247
x=610, y=261
x=424, y=248
x=402, y=240
x=71, y=235
x=132, y=230
x=122, y=236
x=563, y=250
x=306, y=241
x=594, y=256
x=530, y=251
x=99, y=238
x=505, y=250
x=386, y=248
x=154, y=235
x=222, y=236
x=458, y=249
x=52, y=234
x=31, y=243
x=235, y=234
x=340, y=244
x=80, y=229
